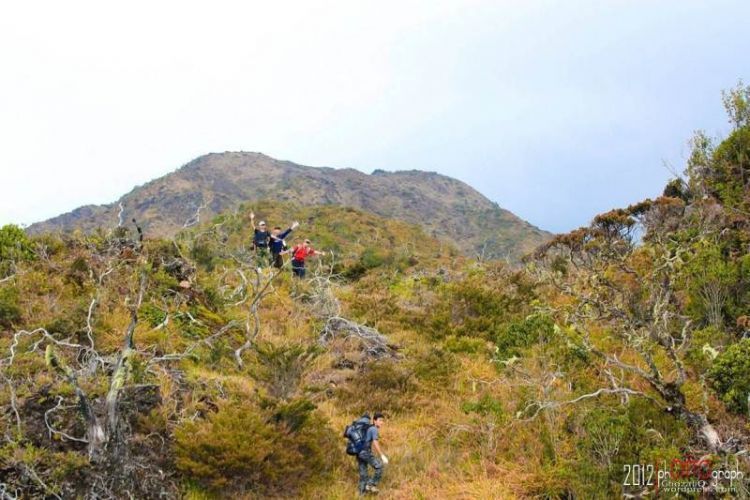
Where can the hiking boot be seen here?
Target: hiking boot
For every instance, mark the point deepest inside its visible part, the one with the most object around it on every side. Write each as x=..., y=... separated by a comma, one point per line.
x=372, y=488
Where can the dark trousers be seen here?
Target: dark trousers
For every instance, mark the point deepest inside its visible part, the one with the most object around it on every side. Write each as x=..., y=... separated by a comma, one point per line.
x=277, y=260
x=298, y=268
x=364, y=459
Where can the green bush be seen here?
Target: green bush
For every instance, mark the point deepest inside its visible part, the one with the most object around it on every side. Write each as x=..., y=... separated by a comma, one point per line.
x=56, y=467
x=369, y=259
x=243, y=449
x=436, y=367
x=190, y=329
x=280, y=368
x=479, y=305
x=466, y=345
x=10, y=312
x=152, y=315
x=486, y=406
x=730, y=376
x=522, y=334
x=162, y=283
x=372, y=258
x=385, y=386
x=14, y=244
x=14, y=247
x=71, y=320
x=730, y=164
x=78, y=272
x=710, y=275
x=204, y=254
x=705, y=343
x=607, y=437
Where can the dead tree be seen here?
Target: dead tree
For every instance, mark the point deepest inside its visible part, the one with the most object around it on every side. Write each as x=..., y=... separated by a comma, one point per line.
x=79, y=363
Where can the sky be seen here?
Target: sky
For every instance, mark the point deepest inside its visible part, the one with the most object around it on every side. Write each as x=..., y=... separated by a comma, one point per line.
x=556, y=110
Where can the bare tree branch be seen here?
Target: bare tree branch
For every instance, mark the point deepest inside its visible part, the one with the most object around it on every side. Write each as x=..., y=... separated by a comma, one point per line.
x=52, y=430
x=119, y=374
x=546, y=405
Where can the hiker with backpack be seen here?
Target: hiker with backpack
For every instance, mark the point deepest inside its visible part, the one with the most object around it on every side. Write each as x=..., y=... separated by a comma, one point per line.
x=278, y=245
x=299, y=254
x=364, y=443
x=263, y=240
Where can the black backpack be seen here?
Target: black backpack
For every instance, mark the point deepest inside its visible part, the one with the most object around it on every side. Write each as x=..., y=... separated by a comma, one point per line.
x=356, y=433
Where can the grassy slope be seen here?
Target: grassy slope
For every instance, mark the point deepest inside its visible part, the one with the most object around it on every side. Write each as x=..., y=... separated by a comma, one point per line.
x=454, y=429
x=51, y=297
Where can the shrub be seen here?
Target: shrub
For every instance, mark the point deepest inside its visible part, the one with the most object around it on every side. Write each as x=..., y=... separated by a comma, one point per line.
x=240, y=448
x=10, y=312
x=204, y=254
x=280, y=368
x=71, y=320
x=152, y=315
x=730, y=164
x=486, y=406
x=522, y=334
x=78, y=272
x=383, y=386
x=14, y=247
x=466, y=345
x=14, y=244
x=62, y=471
x=372, y=258
x=189, y=328
x=162, y=283
x=711, y=278
x=369, y=259
x=436, y=367
x=730, y=376
x=479, y=305
x=704, y=346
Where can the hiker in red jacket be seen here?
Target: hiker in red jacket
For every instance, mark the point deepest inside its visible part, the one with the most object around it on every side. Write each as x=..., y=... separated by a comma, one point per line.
x=299, y=254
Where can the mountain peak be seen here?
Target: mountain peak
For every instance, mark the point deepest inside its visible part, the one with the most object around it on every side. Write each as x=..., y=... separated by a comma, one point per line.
x=445, y=207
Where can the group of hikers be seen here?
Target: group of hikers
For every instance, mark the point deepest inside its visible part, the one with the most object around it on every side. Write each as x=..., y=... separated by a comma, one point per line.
x=270, y=247
x=363, y=434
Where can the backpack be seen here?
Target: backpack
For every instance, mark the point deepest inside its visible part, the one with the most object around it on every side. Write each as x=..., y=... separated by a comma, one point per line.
x=356, y=433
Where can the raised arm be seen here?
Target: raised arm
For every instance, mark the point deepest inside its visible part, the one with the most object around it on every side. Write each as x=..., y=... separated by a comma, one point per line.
x=252, y=219
x=283, y=235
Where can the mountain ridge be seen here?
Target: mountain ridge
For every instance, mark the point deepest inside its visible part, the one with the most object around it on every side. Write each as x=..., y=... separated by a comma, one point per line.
x=445, y=207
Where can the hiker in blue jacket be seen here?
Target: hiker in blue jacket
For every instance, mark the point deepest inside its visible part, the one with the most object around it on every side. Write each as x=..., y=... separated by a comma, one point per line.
x=371, y=455
x=278, y=245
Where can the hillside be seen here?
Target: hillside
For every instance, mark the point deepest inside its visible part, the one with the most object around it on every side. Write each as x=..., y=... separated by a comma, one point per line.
x=175, y=369
x=443, y=206
x=179, y=368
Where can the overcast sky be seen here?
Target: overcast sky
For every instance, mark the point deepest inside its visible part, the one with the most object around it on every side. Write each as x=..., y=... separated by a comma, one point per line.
x=556, y=110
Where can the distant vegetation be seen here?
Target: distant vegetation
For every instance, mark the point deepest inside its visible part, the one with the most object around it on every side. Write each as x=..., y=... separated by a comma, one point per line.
x=172, y=367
